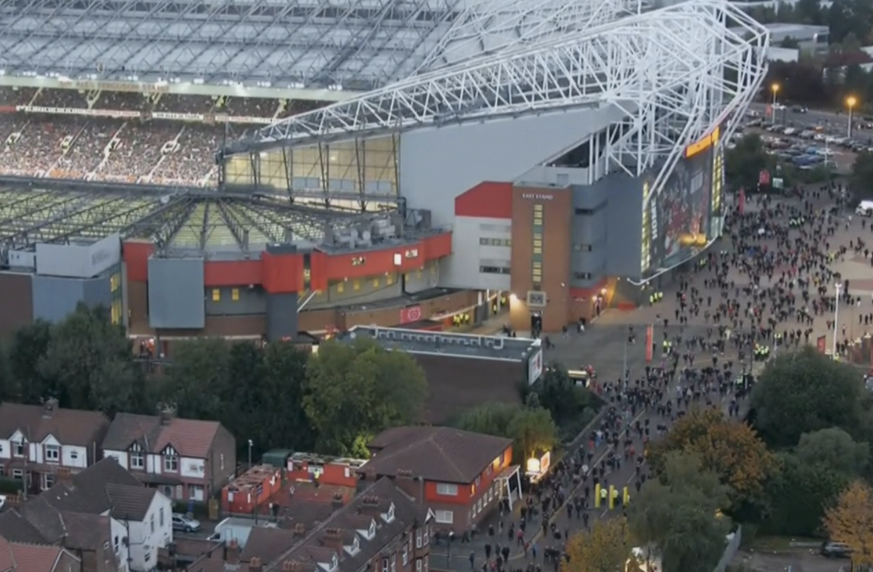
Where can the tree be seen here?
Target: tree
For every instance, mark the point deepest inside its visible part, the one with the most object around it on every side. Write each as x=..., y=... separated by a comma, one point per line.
x=572, y=406
x=861, y=177
x=833, y=448
x=606, y=548
x=798, y=494
x=9, y=388
x=532, y=431
x=744, y=162
x=732, y=451
x=679, y=512
x=353, y=391
x=531, y=428
x=88, y=364
x=804, y=391
x=28, y=346
x=198, y=378
x=850, y=521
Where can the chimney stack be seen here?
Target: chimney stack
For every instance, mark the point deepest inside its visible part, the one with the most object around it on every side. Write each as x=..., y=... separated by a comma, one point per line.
x=255, y=565
x=333, y=539
x=14, y=501
x=369, y=505
x=64, y=475
x=337, y=500
x=49, y=406
x=232, y=553
x=291, y=566
x=404, y=474
x=166, y=413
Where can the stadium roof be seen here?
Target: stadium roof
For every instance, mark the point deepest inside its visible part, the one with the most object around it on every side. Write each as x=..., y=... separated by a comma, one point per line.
x=215, y=223
x=328, y=44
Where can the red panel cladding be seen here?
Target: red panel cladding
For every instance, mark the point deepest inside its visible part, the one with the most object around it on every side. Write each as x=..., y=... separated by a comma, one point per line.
x=486, y=200
x=438, y=246
x=282, y=273
x=135, y=254
x=319, y=278
x=372, y=262
x=217, y=273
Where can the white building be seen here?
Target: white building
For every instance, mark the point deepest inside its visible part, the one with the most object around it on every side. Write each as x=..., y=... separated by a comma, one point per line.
x=142, y=517
x=38, y=440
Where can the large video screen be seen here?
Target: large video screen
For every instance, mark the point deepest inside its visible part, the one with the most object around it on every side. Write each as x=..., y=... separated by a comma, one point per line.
x=680, y=215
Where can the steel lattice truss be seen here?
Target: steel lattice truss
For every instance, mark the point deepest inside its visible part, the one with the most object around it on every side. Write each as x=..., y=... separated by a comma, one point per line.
x=205, y=221
x=676, y=73
x=356, y=44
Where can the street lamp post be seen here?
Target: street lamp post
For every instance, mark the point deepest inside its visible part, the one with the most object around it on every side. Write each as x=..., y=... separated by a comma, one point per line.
x=775, y=89
x=851, y=102
x=839, y=287
x=251, y=444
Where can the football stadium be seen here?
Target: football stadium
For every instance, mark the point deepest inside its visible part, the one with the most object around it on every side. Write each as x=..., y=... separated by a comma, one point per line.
x=257, y=169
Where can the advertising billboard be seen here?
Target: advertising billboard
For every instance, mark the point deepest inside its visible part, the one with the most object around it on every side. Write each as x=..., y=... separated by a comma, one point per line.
x=535, y=367
x=680, y=218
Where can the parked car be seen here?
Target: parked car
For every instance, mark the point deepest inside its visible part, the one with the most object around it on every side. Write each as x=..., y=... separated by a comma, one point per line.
x=185, y=523
x=835, y=550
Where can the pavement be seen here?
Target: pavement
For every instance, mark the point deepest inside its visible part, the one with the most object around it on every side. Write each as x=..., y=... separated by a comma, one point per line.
x=604, y=346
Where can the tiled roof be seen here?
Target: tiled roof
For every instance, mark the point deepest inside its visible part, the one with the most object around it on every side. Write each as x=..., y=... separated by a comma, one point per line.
x=189, y=437
x=34, y=557
x=439, y=454
x=373, y=505
x=15, y=528
x=86, y=531
x=101, y=487
x=68, y=426
x=45, y=518
x=268, y=543
x=7, y=561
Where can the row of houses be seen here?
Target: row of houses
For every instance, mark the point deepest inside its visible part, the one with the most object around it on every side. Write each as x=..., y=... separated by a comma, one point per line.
x=186, y=460
x=106, y=491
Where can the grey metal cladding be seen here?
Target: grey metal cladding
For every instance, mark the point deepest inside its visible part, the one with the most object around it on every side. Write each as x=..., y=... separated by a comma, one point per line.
x=176, y=292
x=54, y=297
x=281, y=316
x=76, y=260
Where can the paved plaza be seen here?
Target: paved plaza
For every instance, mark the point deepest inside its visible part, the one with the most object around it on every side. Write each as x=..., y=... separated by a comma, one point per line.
x=603, y=345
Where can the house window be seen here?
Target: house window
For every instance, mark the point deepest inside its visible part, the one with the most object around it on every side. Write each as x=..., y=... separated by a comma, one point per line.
x=74, y=455
x=418, y=538
x=17, y=474
x=444, y=516
x=49, y=481
x=18, y=448
x=152, y=523
x=384, y=565
x=137, y=460
x=171, y=462
x=418, y=565
x=161, y=517
x=424, y=534
x=425, y=560
x=393, y=563
x=52, y=453
x=405, y=555
x=195, y=492
x=446, y=489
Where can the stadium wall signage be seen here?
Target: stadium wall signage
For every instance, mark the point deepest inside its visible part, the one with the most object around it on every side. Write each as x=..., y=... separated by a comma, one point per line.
x=121, y=114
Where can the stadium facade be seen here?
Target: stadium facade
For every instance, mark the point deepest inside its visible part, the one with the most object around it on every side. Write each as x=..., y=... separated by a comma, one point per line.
x=557, y=156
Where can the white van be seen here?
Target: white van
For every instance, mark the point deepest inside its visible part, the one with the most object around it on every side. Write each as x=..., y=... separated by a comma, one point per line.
x=865, y=208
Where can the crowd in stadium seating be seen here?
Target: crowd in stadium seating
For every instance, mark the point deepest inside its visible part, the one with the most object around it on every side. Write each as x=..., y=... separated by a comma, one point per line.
x=141, y=149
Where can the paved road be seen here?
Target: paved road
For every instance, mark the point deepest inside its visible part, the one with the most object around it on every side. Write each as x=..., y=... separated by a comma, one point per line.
x=834, y=123
x=603, y=346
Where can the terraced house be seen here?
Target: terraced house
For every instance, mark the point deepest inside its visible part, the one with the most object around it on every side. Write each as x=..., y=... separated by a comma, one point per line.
x=183, y=458
x=36, y=441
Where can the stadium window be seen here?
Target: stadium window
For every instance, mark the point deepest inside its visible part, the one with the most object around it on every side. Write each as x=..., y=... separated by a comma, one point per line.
x=418, y=274
x=494, y=270
x=413, y=253
x=340, y=287
x=389, y=279
x=216, y=295
x=356, y=285
x=234, y=294
x=358, y=261
x=376, y=283
x=538, y=250
x=538, y=208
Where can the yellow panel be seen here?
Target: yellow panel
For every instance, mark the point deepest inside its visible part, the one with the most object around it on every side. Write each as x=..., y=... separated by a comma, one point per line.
x=538, y=250
x=538, y=242
x=216, y=295
x=340, y=287
x=356, y=285
x=234, y=294
x=376, y=283
x=389, y=280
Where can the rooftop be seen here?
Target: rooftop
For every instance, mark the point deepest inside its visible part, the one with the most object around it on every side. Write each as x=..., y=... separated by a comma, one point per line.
x=212, y=223
x=339, y=45
x=446, y=344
